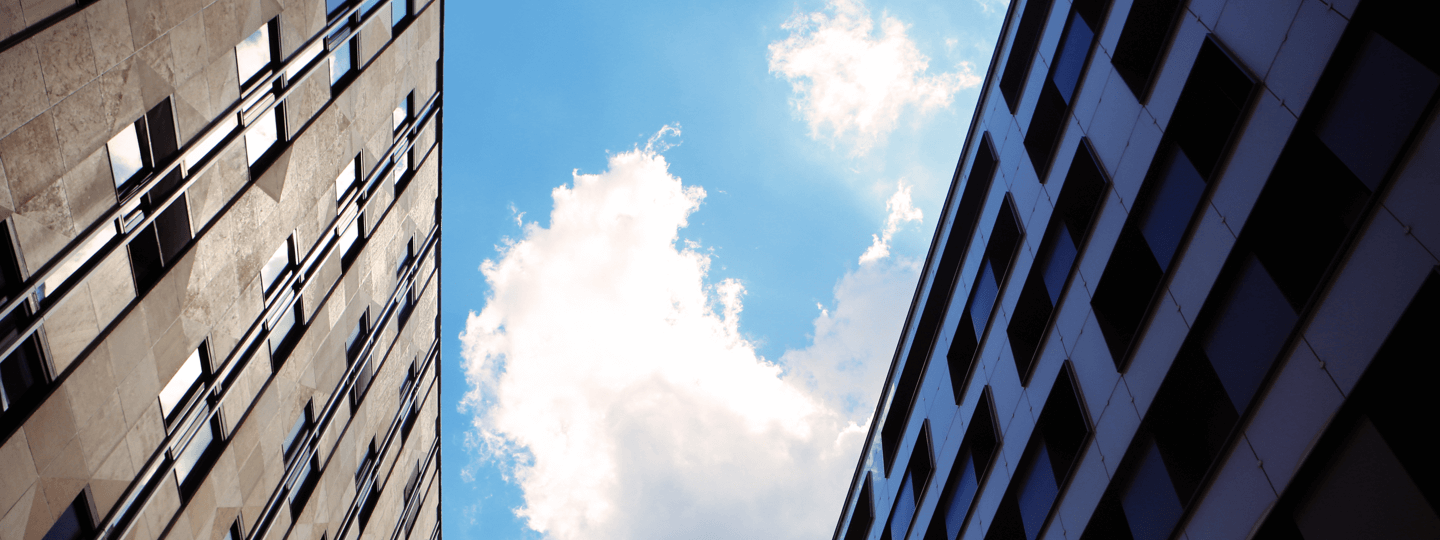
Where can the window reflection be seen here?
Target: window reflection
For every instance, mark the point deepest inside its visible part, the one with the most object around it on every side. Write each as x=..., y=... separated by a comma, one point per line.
x=253, y=54
x=261, y=137
x=125, y=157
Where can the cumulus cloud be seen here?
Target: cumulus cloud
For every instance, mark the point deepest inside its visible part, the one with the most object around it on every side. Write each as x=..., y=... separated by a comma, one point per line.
x=900, y=211
x=611, y=377
x=851, y=85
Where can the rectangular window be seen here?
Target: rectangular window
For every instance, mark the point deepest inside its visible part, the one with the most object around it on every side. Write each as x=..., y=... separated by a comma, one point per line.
x=304, y=485
x=184, y=386
x=196, y=455
x=299, y=433
x=912, y=488
x=262, y=137
x=350, y=240
x=283, y=320
x=342, y=57
x=334, y=7
x=406, y=256
x=349, y=178
x=409, y=397
x=400, y=117
x=1022, y=51
x=863, y=515
x=989, y=283
x=141, y=146
x=1071, y=56
x=399, y=12
x=1142, y=41
x=363, y=376
x=22, y=373
x=77, y=522
x=412, y=492
x=1372, y=473
x=279, y=267
x=1075, y=209
x=368, y=6
x=407, y=299
x=1048, y=461
x=957, y=244
x=971, y=468
x=255, y=56
x=1191, y=151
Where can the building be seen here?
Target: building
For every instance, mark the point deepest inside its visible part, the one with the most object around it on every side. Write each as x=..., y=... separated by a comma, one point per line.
x=1184, y=285
x=219, y=269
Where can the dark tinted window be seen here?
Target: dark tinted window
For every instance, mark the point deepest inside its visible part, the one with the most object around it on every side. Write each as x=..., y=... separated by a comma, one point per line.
x=989, y=282
x=1137, y=52
x=1022, y=51
x=75, y=522
x=1070, y=56
x=1055, y=444
x=863, y=516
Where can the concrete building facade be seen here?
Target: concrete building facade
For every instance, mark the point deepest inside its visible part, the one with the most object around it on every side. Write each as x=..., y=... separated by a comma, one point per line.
x=219, y=268
x=1185, y=285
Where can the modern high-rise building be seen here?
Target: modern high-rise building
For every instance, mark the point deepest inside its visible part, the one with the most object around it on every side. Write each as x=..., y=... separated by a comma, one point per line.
x=219, y=268
x=1184, y=285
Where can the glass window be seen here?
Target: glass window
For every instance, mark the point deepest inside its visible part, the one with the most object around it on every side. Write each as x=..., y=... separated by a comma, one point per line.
x=983, y=299
x=75, y=523
x=188, y=458
x=261, y=137
x=368, y=5
x=1072, y=56
x=962, y=493
x=253, y=55
x=340, y=61
x=1151, y=505
x=1170, y=206
x=1247, y=335
x=334, y=6
x=904, y=508
x=345, y=181
x=282, y=322
x=363, y=377
x=181, y=384
x=305, y=58
x=401, y=115
x=1058, y=262
x=297, y=434
x=208, y=144
x=399, y=10
x=1038, y=490
x=76, y=259
x=276, y=268
x=126, y=159
x=356, y=341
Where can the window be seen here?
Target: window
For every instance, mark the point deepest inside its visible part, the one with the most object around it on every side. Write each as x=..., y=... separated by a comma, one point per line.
x=400, y=117
x=255, y=55
x=279, y=267
x=864, y=514
x=349, y=238
x=72, y=264
x=369, y=492
x=341, y=44
x=912, y=488
x=141, y=146
x=363, y=376
x=1055, y=444
x=77, y=521
x=1075, y=209
x=408, y=297
x=304, y=484
x=195, y=456
x=1022, y=51
x=22, y=373
x=184, y=386
x=261, y=138
x=972, y=465
x=412, y=499
x=406, y=256
x=368, y=6
x=334, y=7
x=202, y=150
x=957, y=244
x=1210, y=105
x=974, y=318
x=299, y=433
x=1144, y=37
x=399, y=12
x=1071, y=57
x=355, y=342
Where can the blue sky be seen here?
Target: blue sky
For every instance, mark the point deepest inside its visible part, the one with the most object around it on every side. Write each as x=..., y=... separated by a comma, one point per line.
x=686, y=328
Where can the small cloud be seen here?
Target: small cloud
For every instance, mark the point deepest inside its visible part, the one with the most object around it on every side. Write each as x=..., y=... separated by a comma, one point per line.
x=901, y=211
x=851, y=85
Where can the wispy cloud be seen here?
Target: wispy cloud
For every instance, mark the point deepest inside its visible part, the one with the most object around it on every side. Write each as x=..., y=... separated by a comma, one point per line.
x=851, y=85
x=900, y=211
x=614, y=380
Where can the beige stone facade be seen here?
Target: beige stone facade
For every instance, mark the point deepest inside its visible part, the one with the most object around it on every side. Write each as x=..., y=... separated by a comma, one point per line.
x=219, y=267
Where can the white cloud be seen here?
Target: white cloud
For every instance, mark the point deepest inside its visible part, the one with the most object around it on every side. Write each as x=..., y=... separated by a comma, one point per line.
x=851, y=86
x=616, y=383
x=900, y=211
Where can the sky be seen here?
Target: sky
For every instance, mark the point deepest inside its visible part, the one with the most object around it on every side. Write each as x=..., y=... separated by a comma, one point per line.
x=679, y=243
